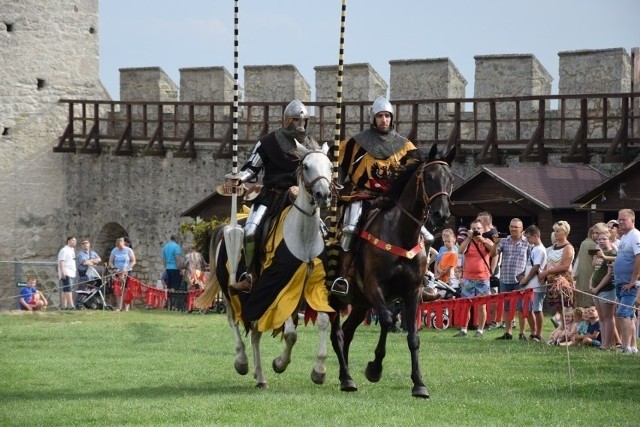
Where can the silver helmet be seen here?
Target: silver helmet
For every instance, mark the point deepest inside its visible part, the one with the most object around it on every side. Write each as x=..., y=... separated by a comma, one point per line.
x=381, y=104
x=296, y=110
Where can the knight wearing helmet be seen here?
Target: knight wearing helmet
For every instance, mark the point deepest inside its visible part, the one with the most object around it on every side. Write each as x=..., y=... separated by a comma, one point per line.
x=367, y=163
x=275, y=154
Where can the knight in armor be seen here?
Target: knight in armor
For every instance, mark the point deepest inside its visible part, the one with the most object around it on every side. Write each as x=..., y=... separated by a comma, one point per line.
x=277, y=155
x=367, y=162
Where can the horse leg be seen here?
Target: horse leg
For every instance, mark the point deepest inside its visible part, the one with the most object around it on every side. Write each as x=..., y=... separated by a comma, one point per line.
x=373, y=372
x=319, y=371
x=290, y=334
x=261, y=381
x=341, y=350
x=413, y=341
x=241, y=362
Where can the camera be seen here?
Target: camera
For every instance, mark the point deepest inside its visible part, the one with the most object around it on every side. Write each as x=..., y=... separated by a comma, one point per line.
x=475, y=233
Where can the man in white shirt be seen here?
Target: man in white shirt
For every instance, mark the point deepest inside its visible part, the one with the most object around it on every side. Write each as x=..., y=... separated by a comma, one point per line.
x=67, y=272
x=536, y=262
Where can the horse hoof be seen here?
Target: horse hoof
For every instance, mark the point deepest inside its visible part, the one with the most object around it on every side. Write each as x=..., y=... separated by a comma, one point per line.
x=241, y=368
x=372, y=373
x=276, y=367
x=318, y=378
x=262, y=386
x=348, y=385
x=420, y=391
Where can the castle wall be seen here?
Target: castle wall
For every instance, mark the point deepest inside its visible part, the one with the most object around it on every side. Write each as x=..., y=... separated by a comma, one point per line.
x=207, y=84
x=359, y=81
x=594, y=71
x=426, y=79
x=49, y=51
x=146, y=84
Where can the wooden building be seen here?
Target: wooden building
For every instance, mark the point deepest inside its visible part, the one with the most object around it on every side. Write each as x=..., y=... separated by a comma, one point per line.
x=538, y=195
x=602, y=202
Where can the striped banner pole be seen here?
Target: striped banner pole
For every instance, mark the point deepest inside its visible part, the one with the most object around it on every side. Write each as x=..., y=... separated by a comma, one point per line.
x=234, y=145
x=333, y=252
x=234, y=233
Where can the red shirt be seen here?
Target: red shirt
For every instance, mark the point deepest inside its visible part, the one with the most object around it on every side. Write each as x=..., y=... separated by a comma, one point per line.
x=474, y=267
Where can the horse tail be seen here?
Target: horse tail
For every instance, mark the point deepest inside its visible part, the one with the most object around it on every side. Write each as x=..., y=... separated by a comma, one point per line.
x=212, y=284
x=211, y=290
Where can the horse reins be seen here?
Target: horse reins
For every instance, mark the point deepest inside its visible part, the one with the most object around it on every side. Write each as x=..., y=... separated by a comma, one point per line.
x=308, y=187
x=425, y=196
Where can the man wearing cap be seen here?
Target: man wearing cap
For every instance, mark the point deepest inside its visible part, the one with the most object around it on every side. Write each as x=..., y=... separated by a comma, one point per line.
x=614, y=229
x=86, y=258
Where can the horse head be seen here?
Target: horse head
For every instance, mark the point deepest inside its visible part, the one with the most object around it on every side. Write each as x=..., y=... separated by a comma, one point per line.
x=437, y=184
x=314, y=174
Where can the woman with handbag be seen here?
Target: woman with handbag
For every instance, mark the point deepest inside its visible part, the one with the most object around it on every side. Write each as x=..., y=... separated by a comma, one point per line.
x=558, y=275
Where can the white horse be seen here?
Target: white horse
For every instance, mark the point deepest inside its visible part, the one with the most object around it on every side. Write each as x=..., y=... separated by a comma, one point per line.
x=293, y=249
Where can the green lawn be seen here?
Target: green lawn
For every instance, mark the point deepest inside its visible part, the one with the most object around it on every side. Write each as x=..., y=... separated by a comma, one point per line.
x=164, y=368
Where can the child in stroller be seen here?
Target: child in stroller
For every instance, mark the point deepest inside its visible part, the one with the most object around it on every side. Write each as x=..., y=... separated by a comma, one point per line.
x=91, y=289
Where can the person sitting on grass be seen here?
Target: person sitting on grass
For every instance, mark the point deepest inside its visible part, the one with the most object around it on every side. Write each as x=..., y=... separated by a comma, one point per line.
x=564, y=333
x=32, y=299
x=591, y=337
x=582, y=324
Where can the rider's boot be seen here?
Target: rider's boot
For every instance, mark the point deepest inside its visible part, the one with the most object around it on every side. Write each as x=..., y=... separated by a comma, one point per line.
x=246, y=279
x=244, y=285
x=253, y=221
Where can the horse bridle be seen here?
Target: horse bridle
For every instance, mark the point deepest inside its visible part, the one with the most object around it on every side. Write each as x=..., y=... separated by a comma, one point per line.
x=308, y=187
x=425, y=196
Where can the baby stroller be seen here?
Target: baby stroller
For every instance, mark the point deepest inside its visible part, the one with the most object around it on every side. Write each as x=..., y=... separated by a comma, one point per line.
x=447, y=292
x=91, y=290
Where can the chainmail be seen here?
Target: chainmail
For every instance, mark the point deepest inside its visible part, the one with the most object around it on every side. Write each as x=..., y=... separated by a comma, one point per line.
x=286, y=141
x=380, y=146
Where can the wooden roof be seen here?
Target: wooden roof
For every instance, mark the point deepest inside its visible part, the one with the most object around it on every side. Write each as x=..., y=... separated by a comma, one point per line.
x=621, y=190
x=524, y=189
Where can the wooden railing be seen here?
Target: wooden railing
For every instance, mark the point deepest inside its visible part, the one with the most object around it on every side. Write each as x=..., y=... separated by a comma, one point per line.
x=528, y=125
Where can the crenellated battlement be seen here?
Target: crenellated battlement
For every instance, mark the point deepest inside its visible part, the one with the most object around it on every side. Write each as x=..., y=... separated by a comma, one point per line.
x=583, y=71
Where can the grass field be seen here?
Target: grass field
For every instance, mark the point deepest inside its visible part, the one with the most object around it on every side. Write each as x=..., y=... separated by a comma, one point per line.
x=156, y=368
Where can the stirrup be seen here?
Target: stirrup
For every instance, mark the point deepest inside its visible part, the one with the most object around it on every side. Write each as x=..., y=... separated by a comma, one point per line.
x=340, y=287
x=245, y=284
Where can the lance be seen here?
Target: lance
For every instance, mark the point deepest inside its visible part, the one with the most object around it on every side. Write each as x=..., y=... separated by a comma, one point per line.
x=234, y=233
x=333, y=252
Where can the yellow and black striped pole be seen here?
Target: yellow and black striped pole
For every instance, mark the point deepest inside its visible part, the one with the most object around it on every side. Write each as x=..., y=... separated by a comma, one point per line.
x=333, y=252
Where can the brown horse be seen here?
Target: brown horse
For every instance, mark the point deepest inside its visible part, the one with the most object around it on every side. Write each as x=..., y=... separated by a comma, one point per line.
x=391, y=261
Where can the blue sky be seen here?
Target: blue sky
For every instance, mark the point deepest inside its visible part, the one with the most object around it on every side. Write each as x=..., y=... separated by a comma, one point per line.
x=305, y=33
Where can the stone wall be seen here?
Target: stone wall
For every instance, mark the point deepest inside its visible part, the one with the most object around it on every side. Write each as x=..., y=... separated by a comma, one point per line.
x=146, y=84
x=49, y=51
x=425, y=79
x=594, y=71
x=360, y=81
